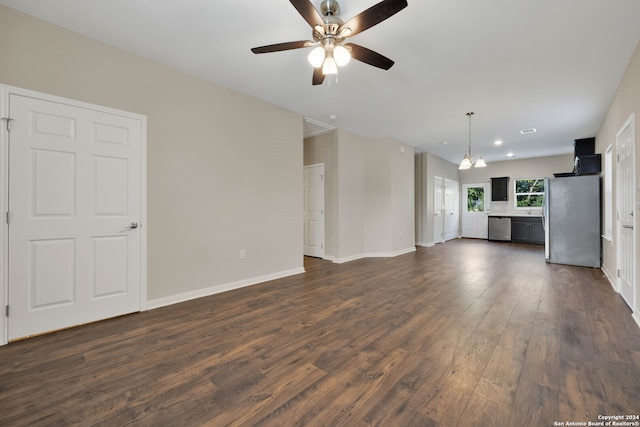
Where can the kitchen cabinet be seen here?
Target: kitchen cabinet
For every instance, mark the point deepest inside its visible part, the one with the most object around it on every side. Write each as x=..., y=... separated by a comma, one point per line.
x=527, y=230
x=500, y=189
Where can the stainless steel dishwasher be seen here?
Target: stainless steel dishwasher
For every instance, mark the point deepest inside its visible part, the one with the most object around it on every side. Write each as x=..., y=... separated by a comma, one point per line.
x=500, y=228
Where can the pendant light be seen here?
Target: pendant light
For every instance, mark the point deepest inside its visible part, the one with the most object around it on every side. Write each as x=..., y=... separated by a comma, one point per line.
x=467, y=161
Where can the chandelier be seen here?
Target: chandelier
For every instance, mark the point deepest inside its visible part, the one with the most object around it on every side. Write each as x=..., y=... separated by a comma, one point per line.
x=467, y=161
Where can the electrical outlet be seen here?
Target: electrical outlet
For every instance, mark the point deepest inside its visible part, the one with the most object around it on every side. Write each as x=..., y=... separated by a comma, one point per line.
x=243, y=254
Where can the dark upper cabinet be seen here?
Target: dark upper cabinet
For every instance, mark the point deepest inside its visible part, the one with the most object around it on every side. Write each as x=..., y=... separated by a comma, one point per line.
x=586, y=162
x=584, y=147
x=500, y=189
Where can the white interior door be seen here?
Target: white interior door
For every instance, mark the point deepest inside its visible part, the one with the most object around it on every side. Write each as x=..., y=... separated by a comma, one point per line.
x=314, y=210
x=475, y=210
x=438, y=209
x=626, y=207
x=451, y=209
x=75, y=206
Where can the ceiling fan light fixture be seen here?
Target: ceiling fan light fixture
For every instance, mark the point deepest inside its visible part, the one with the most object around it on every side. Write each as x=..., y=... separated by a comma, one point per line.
x=316, y=57
x=341, y=55
x=330, y=66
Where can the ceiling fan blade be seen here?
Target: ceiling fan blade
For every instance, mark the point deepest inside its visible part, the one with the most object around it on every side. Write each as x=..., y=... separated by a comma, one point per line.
x=373, y=16
x=318, y=76
x=282, y=46
x=308, y=12
x=369, y=57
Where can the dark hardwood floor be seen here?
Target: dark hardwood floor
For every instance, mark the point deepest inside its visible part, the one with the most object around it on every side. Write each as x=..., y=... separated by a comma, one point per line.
x=466, y=333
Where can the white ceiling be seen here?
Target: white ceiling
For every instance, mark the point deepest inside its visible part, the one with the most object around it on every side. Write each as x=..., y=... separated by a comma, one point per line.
x=553, y=65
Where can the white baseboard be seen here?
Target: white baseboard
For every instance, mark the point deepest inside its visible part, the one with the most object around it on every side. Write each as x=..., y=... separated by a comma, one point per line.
x=348, y=258
x=212, y=290
x=610, y=278
x=404, y=251
x=375, y=255
x=636, y=317
x=426, y=245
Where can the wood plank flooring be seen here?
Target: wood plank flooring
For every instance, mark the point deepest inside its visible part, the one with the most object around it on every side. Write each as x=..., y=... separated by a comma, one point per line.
x=468, y=332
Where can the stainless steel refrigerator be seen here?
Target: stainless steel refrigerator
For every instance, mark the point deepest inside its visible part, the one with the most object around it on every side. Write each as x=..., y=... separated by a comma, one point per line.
x=572, y=220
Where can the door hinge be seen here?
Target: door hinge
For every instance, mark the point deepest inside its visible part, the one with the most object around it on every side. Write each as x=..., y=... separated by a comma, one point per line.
x=321, y=245
x=618, y=272
x=8, y=120
x=8, y=217
x=6, y=310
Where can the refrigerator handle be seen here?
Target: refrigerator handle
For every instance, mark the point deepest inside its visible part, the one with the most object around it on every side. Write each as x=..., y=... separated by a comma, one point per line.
x=544, y=205
x=545, y=218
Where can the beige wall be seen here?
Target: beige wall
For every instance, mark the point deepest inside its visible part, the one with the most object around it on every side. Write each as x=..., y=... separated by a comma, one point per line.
x=351, y=198
x=322, y=149
x=369, y=194
x=427, y=167
x=625, y=102
x=224, y=169
x=402, y=196
x=541, y=167
x=378, y=223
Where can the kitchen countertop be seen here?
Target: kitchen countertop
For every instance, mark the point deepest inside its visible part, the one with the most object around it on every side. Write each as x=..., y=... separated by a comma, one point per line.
x=518, y=215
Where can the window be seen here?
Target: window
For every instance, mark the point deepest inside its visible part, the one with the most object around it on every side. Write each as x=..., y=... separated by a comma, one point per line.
x=529, y=193
x=475, y=199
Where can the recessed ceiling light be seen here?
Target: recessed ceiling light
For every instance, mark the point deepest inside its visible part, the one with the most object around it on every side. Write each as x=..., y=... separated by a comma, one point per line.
x=333, y=116
x=510, y=155
x=526, y=131
x=498, y=142
x=445, y=142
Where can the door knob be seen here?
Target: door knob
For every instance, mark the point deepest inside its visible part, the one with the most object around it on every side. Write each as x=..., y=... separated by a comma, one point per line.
x=133, y=225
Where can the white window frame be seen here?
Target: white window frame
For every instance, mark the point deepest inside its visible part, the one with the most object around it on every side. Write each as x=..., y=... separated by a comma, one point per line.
x=515, y=194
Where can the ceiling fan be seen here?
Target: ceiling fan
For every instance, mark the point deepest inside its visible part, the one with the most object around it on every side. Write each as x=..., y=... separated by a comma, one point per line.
x=330, y=32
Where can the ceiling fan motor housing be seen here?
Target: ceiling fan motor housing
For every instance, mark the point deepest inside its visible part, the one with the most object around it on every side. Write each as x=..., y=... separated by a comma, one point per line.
x=329, y=7
x=330, y=10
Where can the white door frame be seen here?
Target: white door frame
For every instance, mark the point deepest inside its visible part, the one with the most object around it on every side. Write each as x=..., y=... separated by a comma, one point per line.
x=320, y=167
x=5, y=91
x=620, y=199
x=466, y=218
x=451, y=209
x=438, y=209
